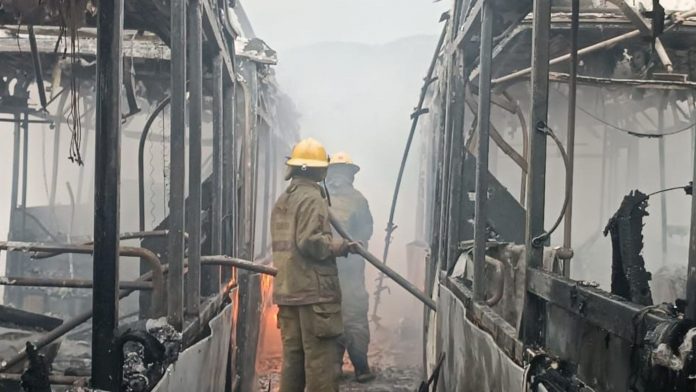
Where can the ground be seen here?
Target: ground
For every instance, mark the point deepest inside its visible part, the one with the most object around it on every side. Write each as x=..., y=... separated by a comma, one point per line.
x=395, y=357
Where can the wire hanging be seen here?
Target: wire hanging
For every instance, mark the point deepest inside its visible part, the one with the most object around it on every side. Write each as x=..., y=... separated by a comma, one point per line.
x=68, y=13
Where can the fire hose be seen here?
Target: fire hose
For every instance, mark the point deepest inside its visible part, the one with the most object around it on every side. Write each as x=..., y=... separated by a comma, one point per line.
x=400, y=280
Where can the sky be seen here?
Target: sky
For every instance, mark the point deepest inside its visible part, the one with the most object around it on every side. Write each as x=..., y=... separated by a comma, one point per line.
x=287, y=24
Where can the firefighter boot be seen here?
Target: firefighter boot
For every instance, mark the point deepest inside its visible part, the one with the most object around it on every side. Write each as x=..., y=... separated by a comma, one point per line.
x=364, y=375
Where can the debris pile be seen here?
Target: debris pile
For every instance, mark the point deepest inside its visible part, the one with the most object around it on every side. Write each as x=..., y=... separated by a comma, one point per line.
x=167, y=335
x=135, y=373
x=147, y=354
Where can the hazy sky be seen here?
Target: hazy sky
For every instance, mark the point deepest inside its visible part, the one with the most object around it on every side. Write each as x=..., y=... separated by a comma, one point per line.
x=285, y=24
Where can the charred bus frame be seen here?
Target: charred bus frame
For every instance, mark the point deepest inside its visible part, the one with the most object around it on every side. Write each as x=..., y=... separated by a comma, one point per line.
x=195, y=282
x=553, y=302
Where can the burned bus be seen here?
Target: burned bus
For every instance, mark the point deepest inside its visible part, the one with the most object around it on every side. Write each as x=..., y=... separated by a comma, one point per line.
x=106, y=106
x=553, y=128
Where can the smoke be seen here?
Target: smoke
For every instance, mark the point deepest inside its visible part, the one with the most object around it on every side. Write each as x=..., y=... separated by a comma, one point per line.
x=354, y=71
x=357, y=98
x=609, y=164
x=288, y=25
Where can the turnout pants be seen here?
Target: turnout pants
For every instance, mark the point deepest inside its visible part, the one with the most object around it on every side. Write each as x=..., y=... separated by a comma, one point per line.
x=355, y=305
x=309, y=334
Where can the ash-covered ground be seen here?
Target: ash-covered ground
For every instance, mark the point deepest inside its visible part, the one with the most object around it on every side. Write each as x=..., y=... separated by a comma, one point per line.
x=395, y=357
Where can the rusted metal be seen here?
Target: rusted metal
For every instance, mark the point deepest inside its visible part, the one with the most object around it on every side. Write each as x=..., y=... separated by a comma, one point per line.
x=71, y=283
x=67, y=326
x=228, y=261
x=144, y=254
x=123, y=236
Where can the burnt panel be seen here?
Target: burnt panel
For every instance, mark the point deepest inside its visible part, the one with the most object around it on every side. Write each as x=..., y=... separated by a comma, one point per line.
x=505, y=218
x=574, y=339
x=629, y=279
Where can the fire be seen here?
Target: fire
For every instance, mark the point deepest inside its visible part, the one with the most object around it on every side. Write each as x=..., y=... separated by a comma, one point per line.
x=270, y=345
x=232, y=282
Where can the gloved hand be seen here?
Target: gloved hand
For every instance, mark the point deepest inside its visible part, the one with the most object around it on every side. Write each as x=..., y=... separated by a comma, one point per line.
x=353, y=247
x=340, y=248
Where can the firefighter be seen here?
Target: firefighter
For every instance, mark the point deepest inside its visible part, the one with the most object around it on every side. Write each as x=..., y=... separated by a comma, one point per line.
x=351, y=209
x=307, y=289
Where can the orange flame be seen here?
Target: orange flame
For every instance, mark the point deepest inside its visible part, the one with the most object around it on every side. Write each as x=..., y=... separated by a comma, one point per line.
x=270, y=345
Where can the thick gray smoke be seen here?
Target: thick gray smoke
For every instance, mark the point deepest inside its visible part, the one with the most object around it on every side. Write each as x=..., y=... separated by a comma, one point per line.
x=354, y=70
x=286, y=25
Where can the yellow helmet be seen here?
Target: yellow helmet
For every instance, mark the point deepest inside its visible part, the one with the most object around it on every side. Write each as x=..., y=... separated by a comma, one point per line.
x=343, y=158
x=309, y=153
